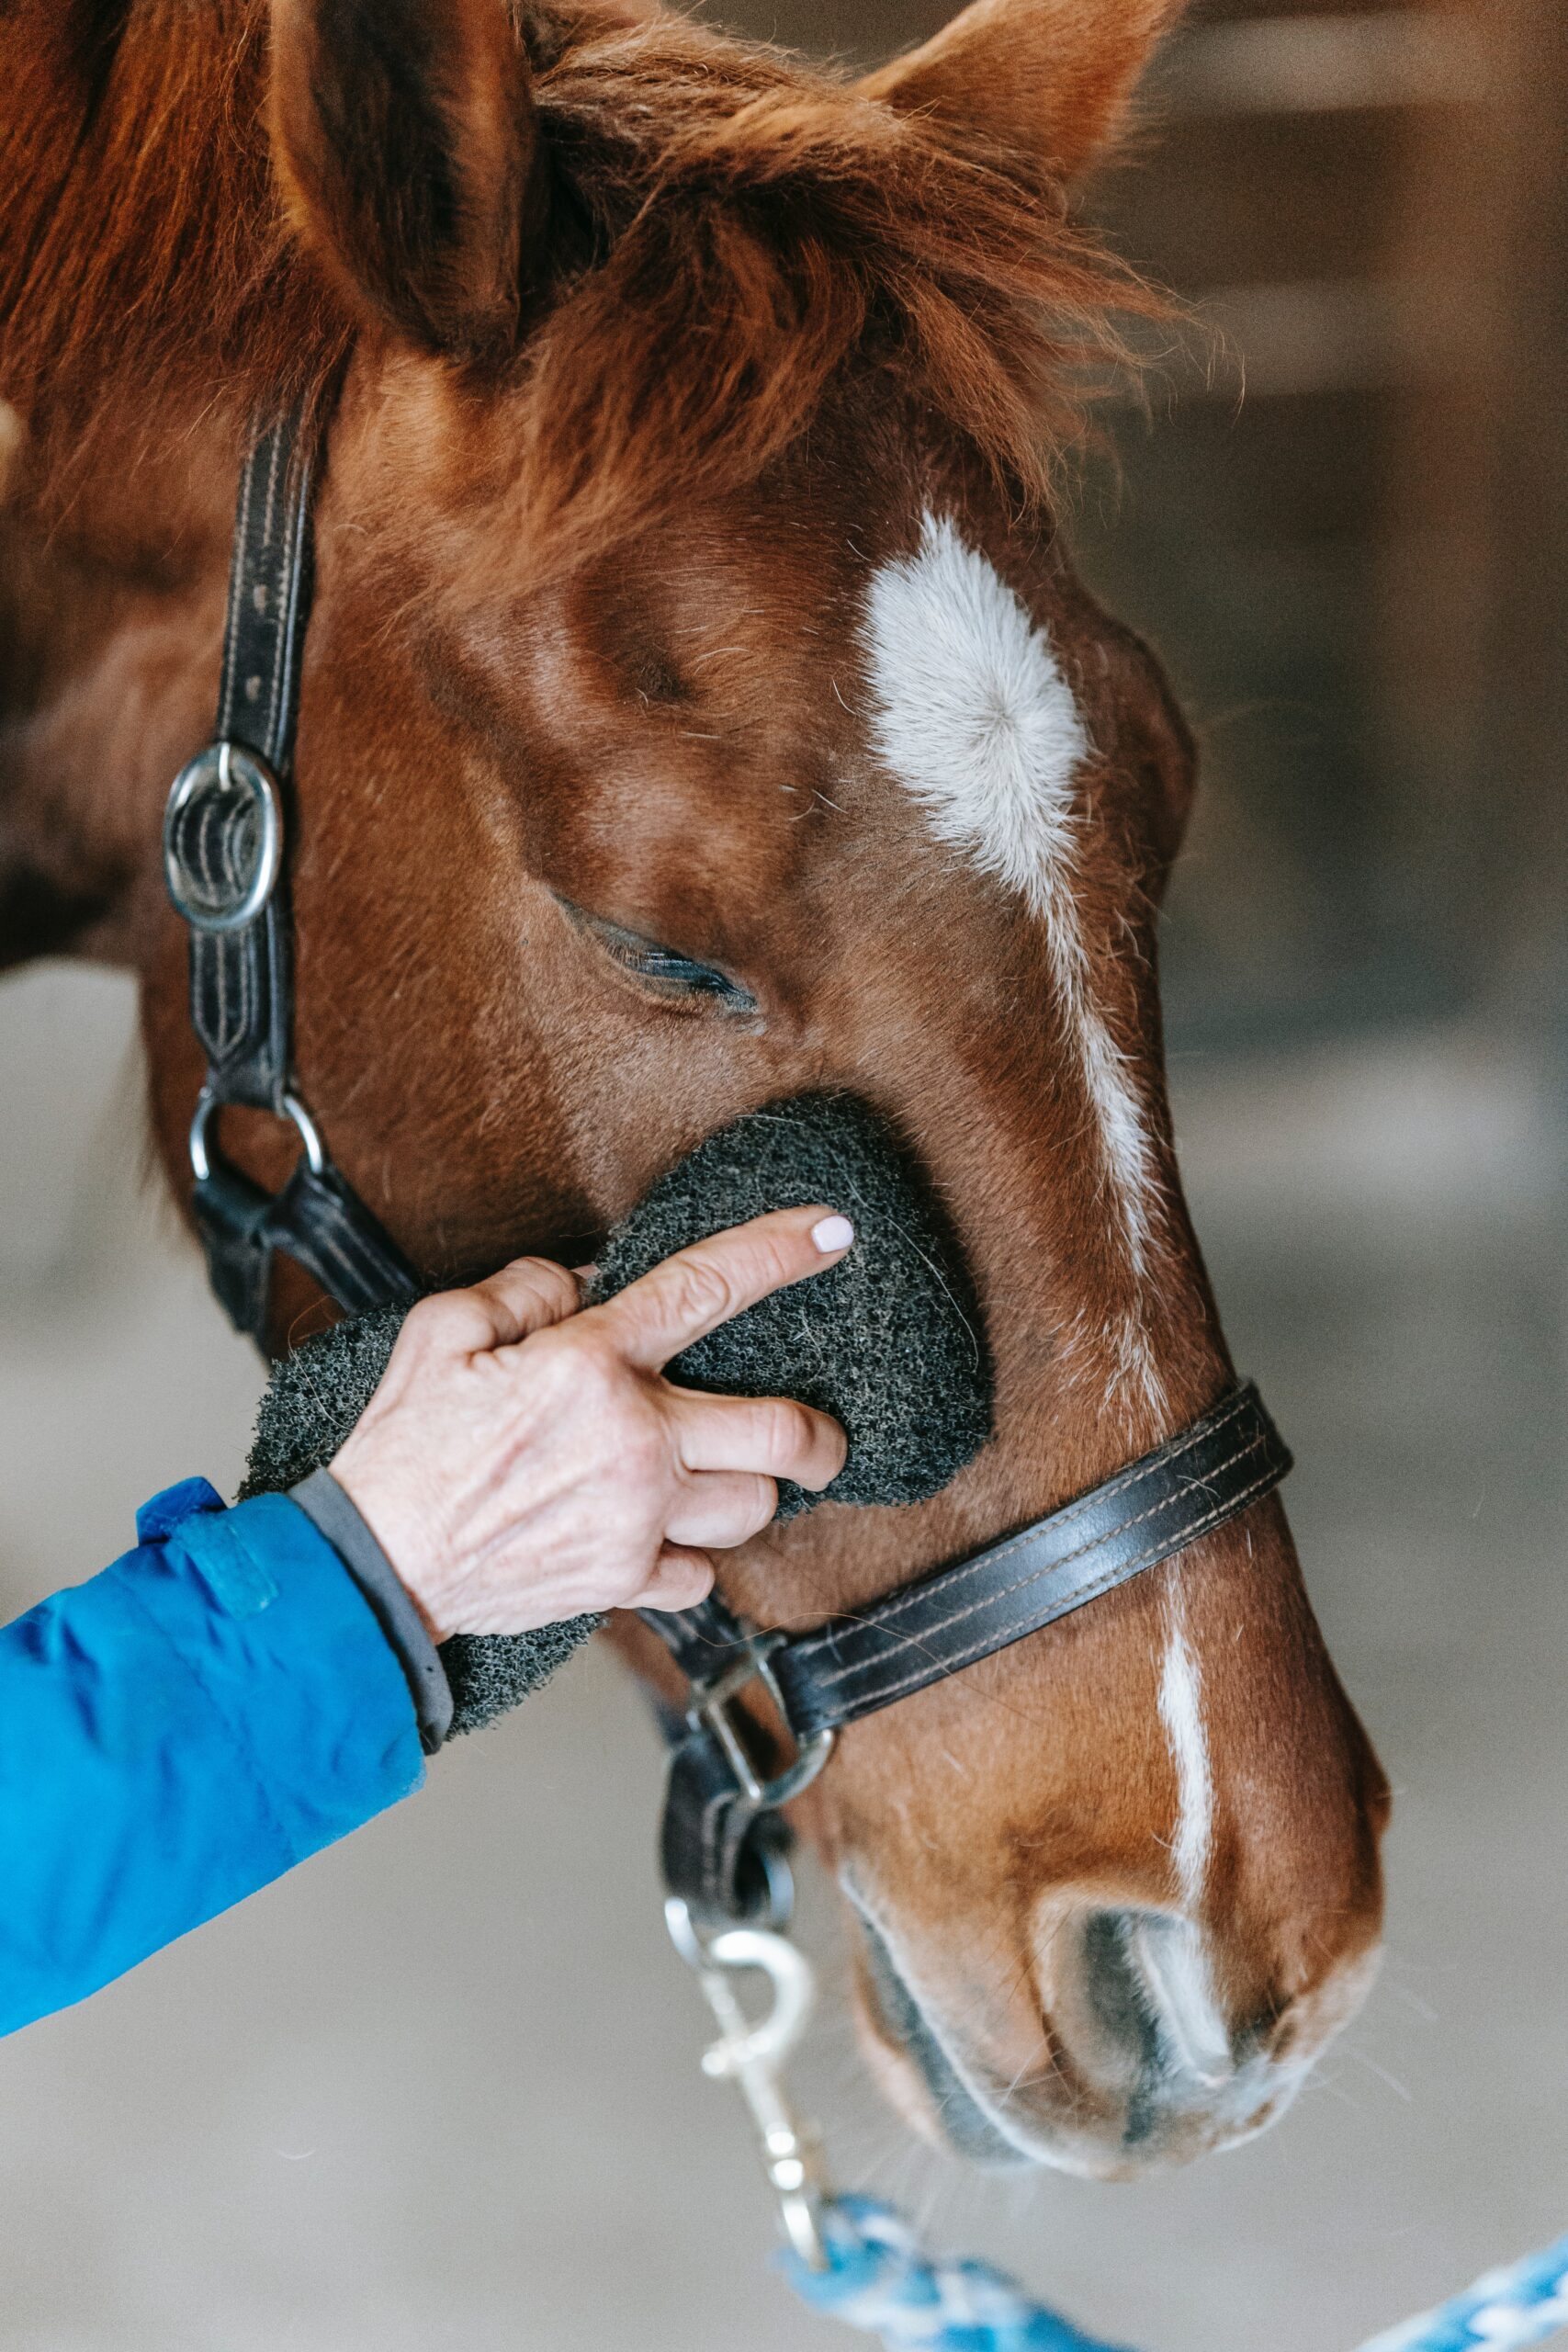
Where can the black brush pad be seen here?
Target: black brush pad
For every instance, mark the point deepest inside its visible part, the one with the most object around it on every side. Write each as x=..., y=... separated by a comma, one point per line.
x=888, y=1341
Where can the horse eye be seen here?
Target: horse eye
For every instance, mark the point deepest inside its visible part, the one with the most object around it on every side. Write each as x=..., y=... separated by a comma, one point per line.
x=669, y=971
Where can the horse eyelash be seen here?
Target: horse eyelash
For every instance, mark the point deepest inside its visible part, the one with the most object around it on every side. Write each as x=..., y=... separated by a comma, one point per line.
x=649, y=960
x=652, y=962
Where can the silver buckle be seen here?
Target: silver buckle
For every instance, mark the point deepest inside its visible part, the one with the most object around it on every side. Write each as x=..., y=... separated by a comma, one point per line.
x=229, y=768
x=710, y=1708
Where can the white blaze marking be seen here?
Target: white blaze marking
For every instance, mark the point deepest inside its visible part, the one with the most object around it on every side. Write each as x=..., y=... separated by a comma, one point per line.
x=1176, y=1961
x=1182, y=1713
x=976, y=721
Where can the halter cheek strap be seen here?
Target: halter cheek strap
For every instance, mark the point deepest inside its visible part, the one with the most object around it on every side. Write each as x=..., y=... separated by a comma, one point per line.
x=225, y=839
x=820, y=1680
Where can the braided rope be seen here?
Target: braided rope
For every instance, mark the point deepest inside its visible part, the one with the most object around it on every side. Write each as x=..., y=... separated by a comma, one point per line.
x=878, y=2279
x=1523, y=2304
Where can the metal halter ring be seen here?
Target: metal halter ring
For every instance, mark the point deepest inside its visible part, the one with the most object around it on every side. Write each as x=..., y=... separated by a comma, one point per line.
x=228, y=769
x=711, y=1705
x=206, y=1103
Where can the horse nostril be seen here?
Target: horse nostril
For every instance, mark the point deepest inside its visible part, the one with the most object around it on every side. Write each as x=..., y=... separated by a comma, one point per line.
x=1113, y=1985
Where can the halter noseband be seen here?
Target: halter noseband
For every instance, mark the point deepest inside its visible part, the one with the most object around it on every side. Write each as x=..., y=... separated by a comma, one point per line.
x=225, y=856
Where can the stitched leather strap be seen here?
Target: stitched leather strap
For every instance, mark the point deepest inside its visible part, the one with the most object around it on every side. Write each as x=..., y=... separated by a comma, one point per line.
x=225, y=833
x=240, y=996
x=704, y=1642
x=1183, y=1490
x=317, y=1220
x=718, y=1844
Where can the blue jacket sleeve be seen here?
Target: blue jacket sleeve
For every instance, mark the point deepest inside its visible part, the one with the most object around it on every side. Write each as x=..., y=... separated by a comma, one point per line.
x=215, y=1706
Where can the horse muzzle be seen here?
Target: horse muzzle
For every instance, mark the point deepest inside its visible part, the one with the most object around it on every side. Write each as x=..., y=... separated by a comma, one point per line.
x=1112, y=2056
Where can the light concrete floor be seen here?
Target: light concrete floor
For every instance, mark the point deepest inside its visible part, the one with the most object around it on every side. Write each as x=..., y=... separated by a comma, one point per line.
x=440, y=2087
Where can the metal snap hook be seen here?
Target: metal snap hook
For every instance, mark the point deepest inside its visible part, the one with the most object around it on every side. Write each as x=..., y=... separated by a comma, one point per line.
x=752, y=2053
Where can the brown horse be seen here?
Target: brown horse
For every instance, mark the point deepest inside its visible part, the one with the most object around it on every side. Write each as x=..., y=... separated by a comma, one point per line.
x=699, y=709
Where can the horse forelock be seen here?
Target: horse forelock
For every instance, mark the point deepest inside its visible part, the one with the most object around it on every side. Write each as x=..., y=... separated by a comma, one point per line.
x=805, y=229
x=733, y=233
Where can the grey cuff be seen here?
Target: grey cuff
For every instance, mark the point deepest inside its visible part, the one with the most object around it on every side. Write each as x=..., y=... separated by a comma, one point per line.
x=331, y=1513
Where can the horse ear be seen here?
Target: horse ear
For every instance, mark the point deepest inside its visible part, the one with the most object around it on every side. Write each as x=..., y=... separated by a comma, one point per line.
x=1047, y=81
x=406, y=140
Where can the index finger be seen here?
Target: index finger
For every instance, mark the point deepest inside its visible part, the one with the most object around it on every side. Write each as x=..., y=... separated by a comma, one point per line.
x=693, y=1291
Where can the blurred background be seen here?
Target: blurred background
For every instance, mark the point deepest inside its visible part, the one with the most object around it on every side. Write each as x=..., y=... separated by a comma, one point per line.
x=440, y=2087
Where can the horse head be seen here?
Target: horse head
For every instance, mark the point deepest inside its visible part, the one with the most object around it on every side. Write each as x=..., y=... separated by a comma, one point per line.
x=700, y=709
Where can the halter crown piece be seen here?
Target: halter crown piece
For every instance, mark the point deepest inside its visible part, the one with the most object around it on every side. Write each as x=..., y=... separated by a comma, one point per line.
x=226, y=859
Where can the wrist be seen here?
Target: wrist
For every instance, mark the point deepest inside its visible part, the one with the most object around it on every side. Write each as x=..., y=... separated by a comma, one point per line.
x=405, y=1545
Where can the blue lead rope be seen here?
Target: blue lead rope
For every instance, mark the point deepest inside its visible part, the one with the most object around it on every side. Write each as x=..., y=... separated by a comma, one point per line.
x=877, y=2278
x=1523, y=2304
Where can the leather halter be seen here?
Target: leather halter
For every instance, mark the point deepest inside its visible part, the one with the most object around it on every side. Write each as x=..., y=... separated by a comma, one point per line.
x=225, y=860
x=820, y=1680
x=225, y=846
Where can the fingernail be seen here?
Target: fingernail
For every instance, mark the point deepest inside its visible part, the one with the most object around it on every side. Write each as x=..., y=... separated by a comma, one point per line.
x=832, y=1233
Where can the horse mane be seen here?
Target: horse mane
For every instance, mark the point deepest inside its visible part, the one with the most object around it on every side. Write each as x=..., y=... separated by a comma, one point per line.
x=735, y=236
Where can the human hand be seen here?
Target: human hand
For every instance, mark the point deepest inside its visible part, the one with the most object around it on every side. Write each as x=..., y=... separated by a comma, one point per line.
x=524, y=1460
